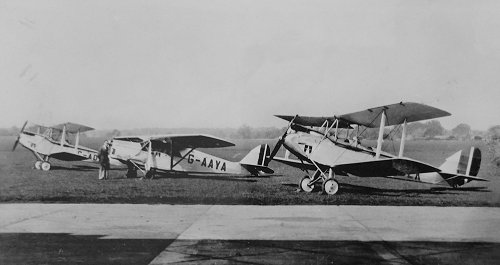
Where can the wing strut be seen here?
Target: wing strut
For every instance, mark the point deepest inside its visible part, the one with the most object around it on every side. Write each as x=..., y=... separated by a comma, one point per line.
x=380, y=135
x=182, y=158
x=63, y=135
x=471, y=156
x=172, y=155
x=149, y=159
x=403, y=139
x=77, y=139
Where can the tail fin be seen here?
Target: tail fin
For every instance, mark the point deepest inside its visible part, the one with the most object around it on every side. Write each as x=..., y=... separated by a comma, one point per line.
x=458, y=167
x=255, y=160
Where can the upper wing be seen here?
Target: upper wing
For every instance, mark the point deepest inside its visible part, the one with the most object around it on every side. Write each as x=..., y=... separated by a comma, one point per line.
x=313, y=121
x=180, y=140
x=395, y=113
x=192, y=140
x=386, y=167
x=135, y=139
x=72, y=127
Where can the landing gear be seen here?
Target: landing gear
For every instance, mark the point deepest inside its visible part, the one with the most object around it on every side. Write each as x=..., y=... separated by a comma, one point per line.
x=45, y=166
x=304, y=184
x=151, y=174
x=131, y=171
x=330, y=187
x=38, y=165
x=42, y=162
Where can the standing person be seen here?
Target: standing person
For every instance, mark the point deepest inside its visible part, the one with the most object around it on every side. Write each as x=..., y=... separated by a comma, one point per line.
x=104, y=161
x=131, y=171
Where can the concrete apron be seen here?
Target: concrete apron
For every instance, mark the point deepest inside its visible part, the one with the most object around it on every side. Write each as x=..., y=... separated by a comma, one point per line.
x=235, y=222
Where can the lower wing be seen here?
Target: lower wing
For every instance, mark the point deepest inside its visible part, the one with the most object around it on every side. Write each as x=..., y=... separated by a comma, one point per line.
x=386, y=167
x=374, y=168
x=295, y=163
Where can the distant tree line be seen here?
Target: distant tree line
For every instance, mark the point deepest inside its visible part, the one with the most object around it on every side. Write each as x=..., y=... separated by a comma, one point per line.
x=430, y=130
x=415, y=130
x=243, y=132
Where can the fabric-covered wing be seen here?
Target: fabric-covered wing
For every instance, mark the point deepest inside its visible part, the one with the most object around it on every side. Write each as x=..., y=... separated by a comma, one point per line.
x=193, y=141
x=135, y=139
x=313, y=121
x=386, y=167
x=395, y=113
x=295, y=163
x=72, y=127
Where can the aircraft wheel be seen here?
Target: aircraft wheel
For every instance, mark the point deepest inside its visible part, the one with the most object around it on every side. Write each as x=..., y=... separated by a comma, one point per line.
x=45, y=166
x=303, y=184
x=38, y=165
x=150, y=174
x=330, y=186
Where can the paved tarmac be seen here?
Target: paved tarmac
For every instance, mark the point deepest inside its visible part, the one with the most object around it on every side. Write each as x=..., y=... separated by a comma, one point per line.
x=219, y=234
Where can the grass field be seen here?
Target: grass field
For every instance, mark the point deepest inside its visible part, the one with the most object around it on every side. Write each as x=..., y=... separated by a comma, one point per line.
x=77, y=182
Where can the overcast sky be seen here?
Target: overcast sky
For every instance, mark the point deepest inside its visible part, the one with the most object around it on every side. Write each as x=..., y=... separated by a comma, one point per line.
x=130, y=64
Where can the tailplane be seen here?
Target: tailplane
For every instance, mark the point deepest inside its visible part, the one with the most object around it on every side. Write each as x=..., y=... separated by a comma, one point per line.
x=255, y=160
x=460, y=169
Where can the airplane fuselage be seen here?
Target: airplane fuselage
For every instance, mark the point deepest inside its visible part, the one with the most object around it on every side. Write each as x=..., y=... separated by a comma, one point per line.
x=183, y=160
x=45, y=147
x=328, y=152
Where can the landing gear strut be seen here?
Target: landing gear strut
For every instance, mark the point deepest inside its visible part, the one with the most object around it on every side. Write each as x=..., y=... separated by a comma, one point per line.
x=150, y=174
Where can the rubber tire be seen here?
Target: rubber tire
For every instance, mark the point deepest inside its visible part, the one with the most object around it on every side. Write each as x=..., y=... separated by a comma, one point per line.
x=330, y=187
x=303, y=184
x=150, y=174
x=38, y=165
x=45, y=166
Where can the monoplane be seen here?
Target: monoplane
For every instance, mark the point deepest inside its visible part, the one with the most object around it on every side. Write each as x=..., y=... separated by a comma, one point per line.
x=318, y=144
x=54, y=142
x=176, y=153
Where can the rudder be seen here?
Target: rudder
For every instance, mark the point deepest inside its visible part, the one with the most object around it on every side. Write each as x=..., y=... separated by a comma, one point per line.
x=457, y=167
x=256, y=160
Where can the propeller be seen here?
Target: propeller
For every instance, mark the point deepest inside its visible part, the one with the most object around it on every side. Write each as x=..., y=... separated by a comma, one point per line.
x=19, y=136
x=280, y=142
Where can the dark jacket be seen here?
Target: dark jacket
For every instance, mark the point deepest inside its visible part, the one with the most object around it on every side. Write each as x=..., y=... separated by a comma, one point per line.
x=104, y=156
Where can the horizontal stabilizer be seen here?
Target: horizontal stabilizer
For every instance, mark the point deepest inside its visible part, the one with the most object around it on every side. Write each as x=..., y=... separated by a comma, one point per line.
x=452, y=177
x=255, y=169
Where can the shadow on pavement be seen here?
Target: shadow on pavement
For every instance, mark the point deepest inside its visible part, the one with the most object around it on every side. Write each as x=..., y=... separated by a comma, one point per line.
x=48, y=248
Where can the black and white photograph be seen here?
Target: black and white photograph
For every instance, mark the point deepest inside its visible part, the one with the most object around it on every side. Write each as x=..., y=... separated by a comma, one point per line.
x=249, y=132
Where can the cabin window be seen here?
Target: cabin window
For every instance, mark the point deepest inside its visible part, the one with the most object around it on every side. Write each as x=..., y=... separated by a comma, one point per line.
x=307, y=148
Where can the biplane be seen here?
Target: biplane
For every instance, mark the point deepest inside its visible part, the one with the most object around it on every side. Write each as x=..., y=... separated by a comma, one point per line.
x=176, y=153
x=318, y=145
x=54, y=142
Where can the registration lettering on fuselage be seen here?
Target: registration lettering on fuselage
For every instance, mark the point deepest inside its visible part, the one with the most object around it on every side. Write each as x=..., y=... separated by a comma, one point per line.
x=209, y=163
x=89, y=155
x=205, y=162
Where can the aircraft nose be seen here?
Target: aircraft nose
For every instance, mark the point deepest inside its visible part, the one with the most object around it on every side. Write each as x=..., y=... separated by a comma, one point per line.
x=289, y=140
